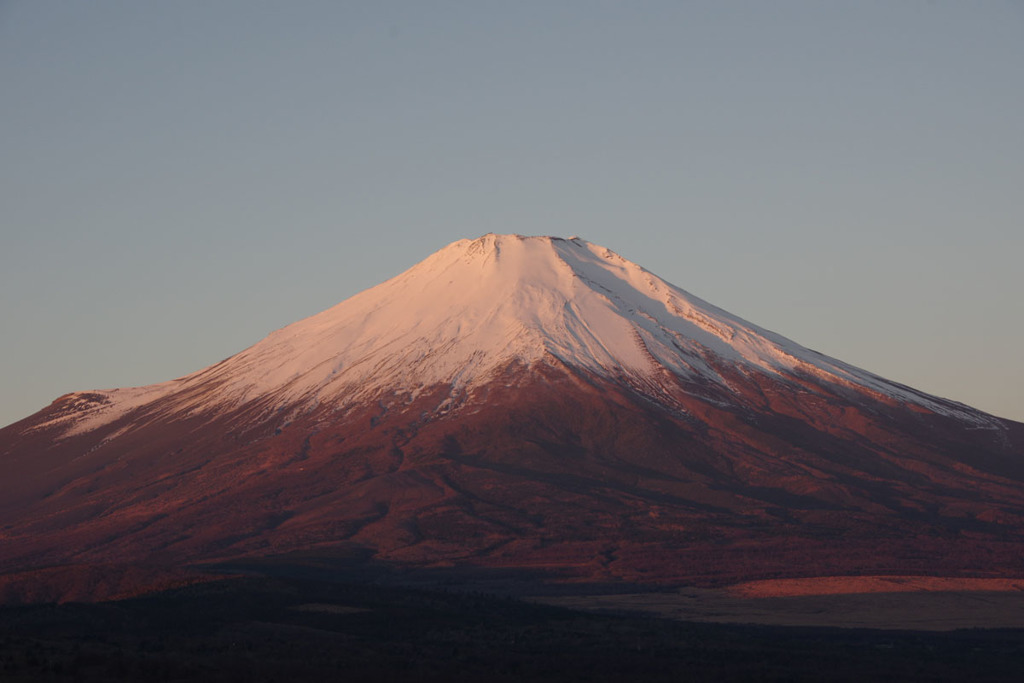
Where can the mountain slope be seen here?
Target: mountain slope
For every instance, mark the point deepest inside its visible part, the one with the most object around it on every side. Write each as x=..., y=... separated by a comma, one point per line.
x=521, y=402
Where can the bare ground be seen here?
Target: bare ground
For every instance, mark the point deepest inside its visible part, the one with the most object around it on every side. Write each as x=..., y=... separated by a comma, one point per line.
x=896, y=603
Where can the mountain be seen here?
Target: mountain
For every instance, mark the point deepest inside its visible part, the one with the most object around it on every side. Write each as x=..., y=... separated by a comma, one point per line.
x=519, y=403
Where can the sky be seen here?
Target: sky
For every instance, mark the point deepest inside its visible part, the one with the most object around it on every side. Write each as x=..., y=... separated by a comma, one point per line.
x=178, y=179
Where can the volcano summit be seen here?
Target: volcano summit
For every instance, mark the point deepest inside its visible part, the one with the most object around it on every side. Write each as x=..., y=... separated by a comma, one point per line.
x=521, y=403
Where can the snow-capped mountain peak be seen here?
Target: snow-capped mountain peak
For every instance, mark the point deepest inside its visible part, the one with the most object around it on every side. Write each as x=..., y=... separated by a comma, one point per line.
x=519, y=402
x=478, y=305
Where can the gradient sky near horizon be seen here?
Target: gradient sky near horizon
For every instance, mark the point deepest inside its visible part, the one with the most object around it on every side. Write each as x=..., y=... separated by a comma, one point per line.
x=178, y=179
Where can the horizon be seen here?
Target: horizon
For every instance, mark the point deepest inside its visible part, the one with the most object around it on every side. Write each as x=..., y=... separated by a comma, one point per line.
x=184, y=179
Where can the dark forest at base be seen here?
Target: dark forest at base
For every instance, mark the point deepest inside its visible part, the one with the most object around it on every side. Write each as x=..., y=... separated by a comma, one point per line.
x=276, y=629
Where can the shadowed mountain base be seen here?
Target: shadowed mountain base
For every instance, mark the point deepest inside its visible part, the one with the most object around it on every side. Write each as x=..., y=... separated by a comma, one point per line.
x=258, y=630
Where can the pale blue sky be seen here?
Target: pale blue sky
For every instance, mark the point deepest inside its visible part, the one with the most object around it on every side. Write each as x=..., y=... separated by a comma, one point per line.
x=177, y=179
